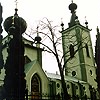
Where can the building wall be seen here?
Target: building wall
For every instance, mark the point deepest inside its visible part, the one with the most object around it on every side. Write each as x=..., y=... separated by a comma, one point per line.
x=31, y=53
x=73, y=87
x=36, y=69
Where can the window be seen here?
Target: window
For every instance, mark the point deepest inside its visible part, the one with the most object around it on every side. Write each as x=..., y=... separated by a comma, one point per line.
x=58, y=85
x=35, y=87
x=68, y=86
x=87, y=50
x=71, y=49
x=73, y=73
x=90, y=72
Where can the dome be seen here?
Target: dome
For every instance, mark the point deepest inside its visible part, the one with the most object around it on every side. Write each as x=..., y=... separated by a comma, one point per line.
x=15, y=22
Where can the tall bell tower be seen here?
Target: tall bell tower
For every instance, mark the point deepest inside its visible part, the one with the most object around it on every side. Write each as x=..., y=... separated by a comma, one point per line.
x=77, y=49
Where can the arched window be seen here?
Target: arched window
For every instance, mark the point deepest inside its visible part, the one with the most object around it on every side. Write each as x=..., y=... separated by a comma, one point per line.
x=71, y=49
x=35, y=87
x=87, y=50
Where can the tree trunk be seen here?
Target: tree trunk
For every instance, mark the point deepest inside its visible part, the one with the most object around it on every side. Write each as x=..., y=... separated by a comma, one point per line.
x=65, y=95
x=64, y=87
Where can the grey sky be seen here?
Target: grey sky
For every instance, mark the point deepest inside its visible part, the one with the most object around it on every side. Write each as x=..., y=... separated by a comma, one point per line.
x=34, y=10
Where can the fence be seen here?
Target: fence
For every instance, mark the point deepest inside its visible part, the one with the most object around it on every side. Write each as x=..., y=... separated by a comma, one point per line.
x=42, y=97
x=55, y=97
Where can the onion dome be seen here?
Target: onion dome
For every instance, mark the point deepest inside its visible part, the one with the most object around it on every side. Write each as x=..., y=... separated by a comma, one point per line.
x=15, y=24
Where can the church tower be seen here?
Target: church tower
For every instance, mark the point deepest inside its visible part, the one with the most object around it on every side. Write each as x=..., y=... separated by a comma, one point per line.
x=77, y=49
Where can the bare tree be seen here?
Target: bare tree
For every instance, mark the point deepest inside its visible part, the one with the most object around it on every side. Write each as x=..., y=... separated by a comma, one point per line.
x=52, y=35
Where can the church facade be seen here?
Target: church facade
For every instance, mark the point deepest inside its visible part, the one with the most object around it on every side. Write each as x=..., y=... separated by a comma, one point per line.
x=80, y=70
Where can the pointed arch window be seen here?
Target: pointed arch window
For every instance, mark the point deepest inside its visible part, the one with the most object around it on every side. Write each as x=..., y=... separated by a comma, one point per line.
x=87, y=50
x=71, y=49
x=35, y=87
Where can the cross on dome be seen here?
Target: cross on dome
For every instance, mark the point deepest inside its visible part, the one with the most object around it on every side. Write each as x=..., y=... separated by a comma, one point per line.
x=16, y=3
x=72, y=1
x=16, y=9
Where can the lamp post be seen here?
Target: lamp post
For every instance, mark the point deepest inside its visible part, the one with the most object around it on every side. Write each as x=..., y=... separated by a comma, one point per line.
x=14, y=82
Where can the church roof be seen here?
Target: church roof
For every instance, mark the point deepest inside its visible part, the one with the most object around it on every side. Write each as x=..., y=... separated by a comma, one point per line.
x=67, y=78
x=53, y=76
x=29, y=65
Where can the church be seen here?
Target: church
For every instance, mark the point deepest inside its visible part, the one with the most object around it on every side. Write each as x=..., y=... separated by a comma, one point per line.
x=80, y=70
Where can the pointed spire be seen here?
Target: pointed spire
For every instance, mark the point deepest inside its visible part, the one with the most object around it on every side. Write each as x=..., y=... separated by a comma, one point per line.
x=73, y=7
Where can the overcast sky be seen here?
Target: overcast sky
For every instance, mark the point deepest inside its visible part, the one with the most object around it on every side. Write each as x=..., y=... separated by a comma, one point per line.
x=34, y=10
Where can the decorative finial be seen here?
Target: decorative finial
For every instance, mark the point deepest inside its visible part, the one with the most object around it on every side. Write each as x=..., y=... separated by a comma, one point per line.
x=16, y=9
x=72, y=7
x=62, y=25
x=86, y=23
x=37, y=38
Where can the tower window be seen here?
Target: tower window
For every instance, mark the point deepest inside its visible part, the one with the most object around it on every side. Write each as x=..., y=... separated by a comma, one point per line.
x=90, y=72
x=87, y=50
x=71, y=49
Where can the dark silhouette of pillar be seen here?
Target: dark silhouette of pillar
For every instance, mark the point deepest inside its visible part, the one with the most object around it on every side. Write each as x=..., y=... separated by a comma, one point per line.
x=1, y=48
x=14, y=82
x=1, y=45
